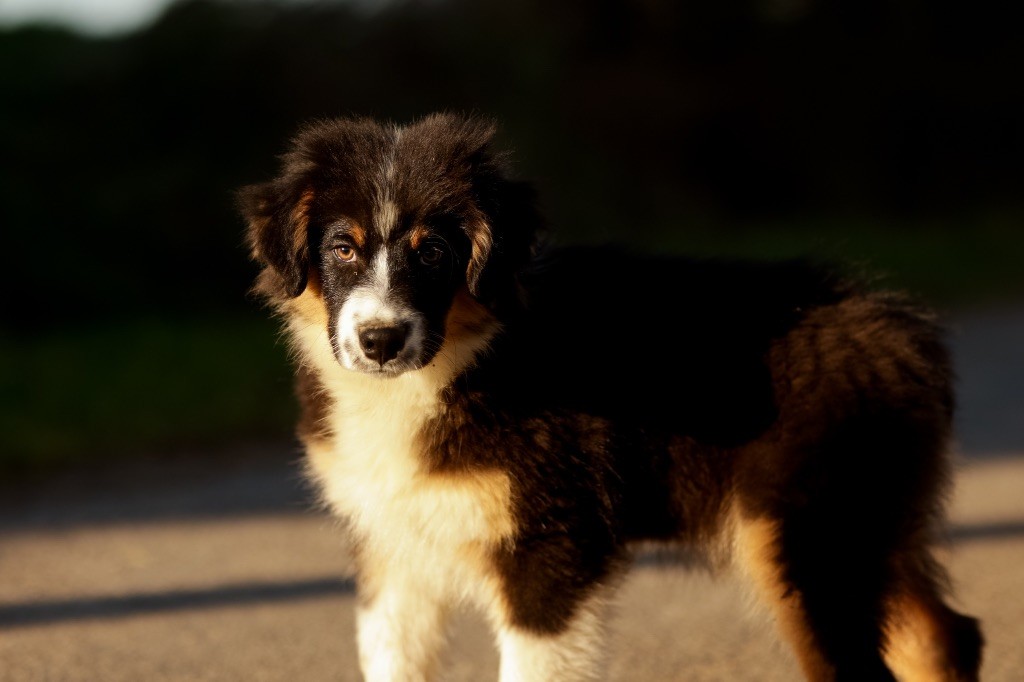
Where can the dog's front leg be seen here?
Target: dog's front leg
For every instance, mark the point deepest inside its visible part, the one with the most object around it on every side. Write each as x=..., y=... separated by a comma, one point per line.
x=401, y=626
x=574, y=653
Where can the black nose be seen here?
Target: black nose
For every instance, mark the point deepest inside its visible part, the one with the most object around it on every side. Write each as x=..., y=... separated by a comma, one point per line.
x=381, y=344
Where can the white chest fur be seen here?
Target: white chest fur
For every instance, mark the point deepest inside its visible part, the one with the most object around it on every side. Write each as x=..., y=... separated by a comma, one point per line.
x=371, y=471
x=373, y=474
x=404, y=516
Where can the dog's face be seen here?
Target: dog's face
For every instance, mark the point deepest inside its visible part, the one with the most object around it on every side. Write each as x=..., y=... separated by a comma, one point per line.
x=387, y=288
x=391, y=227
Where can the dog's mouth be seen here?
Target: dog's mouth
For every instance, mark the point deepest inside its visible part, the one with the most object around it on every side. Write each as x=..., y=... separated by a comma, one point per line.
x=388, y=370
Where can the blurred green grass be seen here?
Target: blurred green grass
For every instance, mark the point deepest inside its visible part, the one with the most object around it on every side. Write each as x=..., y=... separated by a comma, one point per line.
x=159, y=386
x=949, y=262
x=141, y=387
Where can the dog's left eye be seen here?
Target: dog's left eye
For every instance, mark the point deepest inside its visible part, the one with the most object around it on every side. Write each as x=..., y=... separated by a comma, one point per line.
x=346, y=253
x=431, y=254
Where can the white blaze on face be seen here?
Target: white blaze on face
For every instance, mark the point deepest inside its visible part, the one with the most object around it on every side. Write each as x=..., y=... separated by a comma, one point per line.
x=385, y=217
x=374, y=305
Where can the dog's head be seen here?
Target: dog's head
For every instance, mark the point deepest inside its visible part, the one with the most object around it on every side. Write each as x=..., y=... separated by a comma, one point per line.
x=392, y=228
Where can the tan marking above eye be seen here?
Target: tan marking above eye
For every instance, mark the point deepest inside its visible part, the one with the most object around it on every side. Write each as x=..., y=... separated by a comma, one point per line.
x=358, y=235
x=418, y=236
x=345, y=229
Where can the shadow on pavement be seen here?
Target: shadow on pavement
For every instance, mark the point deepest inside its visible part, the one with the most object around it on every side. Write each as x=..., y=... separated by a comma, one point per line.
x=47, y=612
x=996, y=530
x=247, y=480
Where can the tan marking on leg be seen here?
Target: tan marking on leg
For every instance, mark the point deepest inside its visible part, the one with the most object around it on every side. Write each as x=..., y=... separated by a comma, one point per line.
x=911, y=633
x=920, y=641
x=757, y=555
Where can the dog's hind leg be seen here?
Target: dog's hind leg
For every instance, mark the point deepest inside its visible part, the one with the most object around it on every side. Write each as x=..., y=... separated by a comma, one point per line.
x=825, y=599
x=926, y=640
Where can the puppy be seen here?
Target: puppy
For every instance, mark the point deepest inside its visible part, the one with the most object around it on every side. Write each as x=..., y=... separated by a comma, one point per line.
x=500, y=428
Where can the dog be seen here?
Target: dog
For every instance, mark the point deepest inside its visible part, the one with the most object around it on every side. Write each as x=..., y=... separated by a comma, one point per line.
x=501, y=425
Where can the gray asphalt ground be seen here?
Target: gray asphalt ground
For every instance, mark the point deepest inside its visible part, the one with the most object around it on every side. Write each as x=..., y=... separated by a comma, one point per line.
x=219, y=569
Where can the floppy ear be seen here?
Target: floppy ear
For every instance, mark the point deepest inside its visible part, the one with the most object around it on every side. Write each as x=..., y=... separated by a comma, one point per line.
x=502, y=239
x=277, y=214
x=480, y=240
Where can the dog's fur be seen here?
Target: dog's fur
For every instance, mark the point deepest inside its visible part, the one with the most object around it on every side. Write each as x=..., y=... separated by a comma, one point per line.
x=502, y=429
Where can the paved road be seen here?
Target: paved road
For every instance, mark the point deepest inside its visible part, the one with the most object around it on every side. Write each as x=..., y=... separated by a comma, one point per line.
x=219, y=570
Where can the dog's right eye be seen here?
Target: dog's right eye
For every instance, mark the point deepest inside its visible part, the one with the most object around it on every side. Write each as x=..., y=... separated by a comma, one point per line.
x=431, y=254
x=346, y=253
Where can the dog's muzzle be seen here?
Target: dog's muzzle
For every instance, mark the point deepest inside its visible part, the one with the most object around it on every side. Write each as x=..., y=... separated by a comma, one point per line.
x=381, y=344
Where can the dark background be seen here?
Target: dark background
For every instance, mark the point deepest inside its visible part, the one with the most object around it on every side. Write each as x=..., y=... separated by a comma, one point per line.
x=887, y=133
